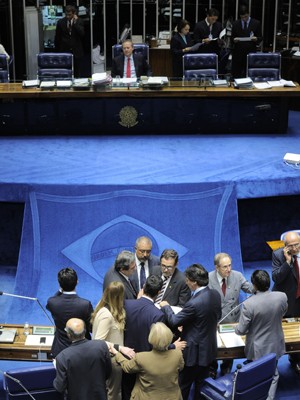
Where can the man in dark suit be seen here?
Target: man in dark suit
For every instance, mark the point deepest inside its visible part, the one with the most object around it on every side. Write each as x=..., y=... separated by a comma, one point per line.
x=198, y=318
x=129, y=64
x=245, y=27
x=68, y=37
x=66, y=304
x=140, y=315
x=121, y=271
x=83, y=367
x=175, y=291
x=144, y=262
x=285, y=274
x=207, y=31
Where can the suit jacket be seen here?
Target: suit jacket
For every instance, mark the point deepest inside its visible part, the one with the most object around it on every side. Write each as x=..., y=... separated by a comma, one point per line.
x=153, y=261
x=66, y=42
x=113, y=275
x=157, y=374
x=261, y=321
x=142, y=68
x=82, y=370
x=199, y=318
x=285, y=280
x=63, y=307
x=241, y=49
x=177, y=292
x=140, y=315
x=235, y=283
x=202, y=31
x=177, y=46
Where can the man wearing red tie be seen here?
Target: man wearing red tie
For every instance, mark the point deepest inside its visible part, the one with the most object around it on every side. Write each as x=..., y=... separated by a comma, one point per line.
x=285, y=274
x=130, y=64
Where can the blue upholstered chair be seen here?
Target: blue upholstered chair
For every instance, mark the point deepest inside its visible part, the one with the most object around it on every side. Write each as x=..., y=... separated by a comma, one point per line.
x=4, y=68
x=52, y=66
x=197, y=66
x=251, y=382
x=37, y=380
x=140, y=48
x=263, y=67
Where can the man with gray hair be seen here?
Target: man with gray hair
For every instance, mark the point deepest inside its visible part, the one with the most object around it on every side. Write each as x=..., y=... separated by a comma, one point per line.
x=229, y=284
x=83, y=367
x=121, y=271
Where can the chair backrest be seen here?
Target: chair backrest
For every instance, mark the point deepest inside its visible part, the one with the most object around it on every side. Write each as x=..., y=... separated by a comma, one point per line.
x=37, y=380
x=282, y=237
x=4, y=68
x=254, y=379
x=55, y=66
x=196, y=66
x=139, y=48
x=264, y=66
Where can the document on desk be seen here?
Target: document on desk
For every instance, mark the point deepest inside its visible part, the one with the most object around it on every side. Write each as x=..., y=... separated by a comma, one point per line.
x=157, y=79
x=262, y=85
x=281, y=83
x=231, y=339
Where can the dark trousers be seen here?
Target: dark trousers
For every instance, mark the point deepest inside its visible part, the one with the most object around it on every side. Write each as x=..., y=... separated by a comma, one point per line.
x=190, y=375
x=128, y=382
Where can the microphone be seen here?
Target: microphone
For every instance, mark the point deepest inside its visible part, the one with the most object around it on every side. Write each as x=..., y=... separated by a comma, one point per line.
x=18, y=382
x=234, y=308
x=28, y=298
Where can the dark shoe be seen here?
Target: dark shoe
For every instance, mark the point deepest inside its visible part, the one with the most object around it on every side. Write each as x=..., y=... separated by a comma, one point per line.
x=212, y=373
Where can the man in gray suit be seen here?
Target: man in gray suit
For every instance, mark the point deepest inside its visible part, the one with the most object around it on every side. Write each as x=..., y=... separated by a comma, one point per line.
x=228, y=283
x=261, y=322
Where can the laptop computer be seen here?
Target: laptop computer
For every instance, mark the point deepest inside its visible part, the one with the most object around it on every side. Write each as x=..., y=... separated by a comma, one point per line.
x=7, y=335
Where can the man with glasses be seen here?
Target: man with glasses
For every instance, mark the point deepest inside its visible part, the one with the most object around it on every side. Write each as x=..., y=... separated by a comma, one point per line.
x=175, y=290
x=144, y=262
x=285, y=274
x=228, y=283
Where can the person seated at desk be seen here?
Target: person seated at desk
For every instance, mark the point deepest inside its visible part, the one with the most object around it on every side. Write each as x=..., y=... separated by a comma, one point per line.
x=245, y=27
x=181, y=44
x=130, y=64
x=207, y=31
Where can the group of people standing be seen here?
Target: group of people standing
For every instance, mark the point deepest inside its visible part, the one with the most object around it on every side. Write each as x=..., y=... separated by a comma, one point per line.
x=160, y=324
x=206, y=34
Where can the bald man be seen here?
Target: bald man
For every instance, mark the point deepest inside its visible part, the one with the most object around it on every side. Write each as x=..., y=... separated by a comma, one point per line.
x=285, y=274
x=83, y=367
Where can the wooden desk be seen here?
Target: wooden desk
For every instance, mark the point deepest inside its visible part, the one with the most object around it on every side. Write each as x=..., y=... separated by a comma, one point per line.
x=18, y=350
x=160, y=60
x=181, y=107
x=291, y=332
x=275, y=244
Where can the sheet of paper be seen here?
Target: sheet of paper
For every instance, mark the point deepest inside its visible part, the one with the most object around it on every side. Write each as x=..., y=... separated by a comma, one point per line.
x=262, y=85
x=222, y=33
x=196, y=47
x=243, y=39
x=231, y=339
x=158, y=79
x=276, y=83
x=219, y=341
x=35, y=340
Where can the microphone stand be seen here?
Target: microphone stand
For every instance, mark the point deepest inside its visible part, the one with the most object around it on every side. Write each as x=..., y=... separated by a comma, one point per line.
x=19, y=383
x=28, y=298
x=234, y=308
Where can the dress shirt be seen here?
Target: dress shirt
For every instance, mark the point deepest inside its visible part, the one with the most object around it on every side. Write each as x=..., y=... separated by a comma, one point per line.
x=132, y=68
x=138, y=265
x=220, y=279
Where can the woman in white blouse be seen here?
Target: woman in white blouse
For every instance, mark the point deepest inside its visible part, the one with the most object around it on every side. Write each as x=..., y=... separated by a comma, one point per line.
x=108, y=321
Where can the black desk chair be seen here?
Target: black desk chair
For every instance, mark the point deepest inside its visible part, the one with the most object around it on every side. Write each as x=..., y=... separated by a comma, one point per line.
x=53, y=66
x=251, y=382
x=139, y=48
x=4, y=69
x=202, y=65
x=262, y=67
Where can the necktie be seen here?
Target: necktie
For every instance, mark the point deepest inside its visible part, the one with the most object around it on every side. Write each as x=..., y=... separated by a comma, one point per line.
x=142, y=275
x=161, y=292
x=296, y=266
x=223, y=287
x=128, y=68
x=70, y=27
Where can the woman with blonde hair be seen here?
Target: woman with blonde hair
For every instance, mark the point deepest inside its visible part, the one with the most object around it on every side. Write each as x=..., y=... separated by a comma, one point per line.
x=157, y=370
x=108, y=321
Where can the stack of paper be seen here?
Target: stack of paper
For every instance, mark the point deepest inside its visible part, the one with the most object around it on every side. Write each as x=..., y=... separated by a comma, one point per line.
x=47, y=85
x=65, y=84
x=101, y=78
x=220, y=82
x=31, y=83
x=243, y=83
x=281, y=83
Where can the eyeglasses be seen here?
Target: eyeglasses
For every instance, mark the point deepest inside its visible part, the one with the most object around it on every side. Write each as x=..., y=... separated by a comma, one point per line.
x=167, y=267
x=295, y=245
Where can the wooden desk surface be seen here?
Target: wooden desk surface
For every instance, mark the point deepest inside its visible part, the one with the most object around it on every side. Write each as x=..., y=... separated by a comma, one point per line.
x=187, y=89
x=18, y=351
x=291, y=332
x=275, y=244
